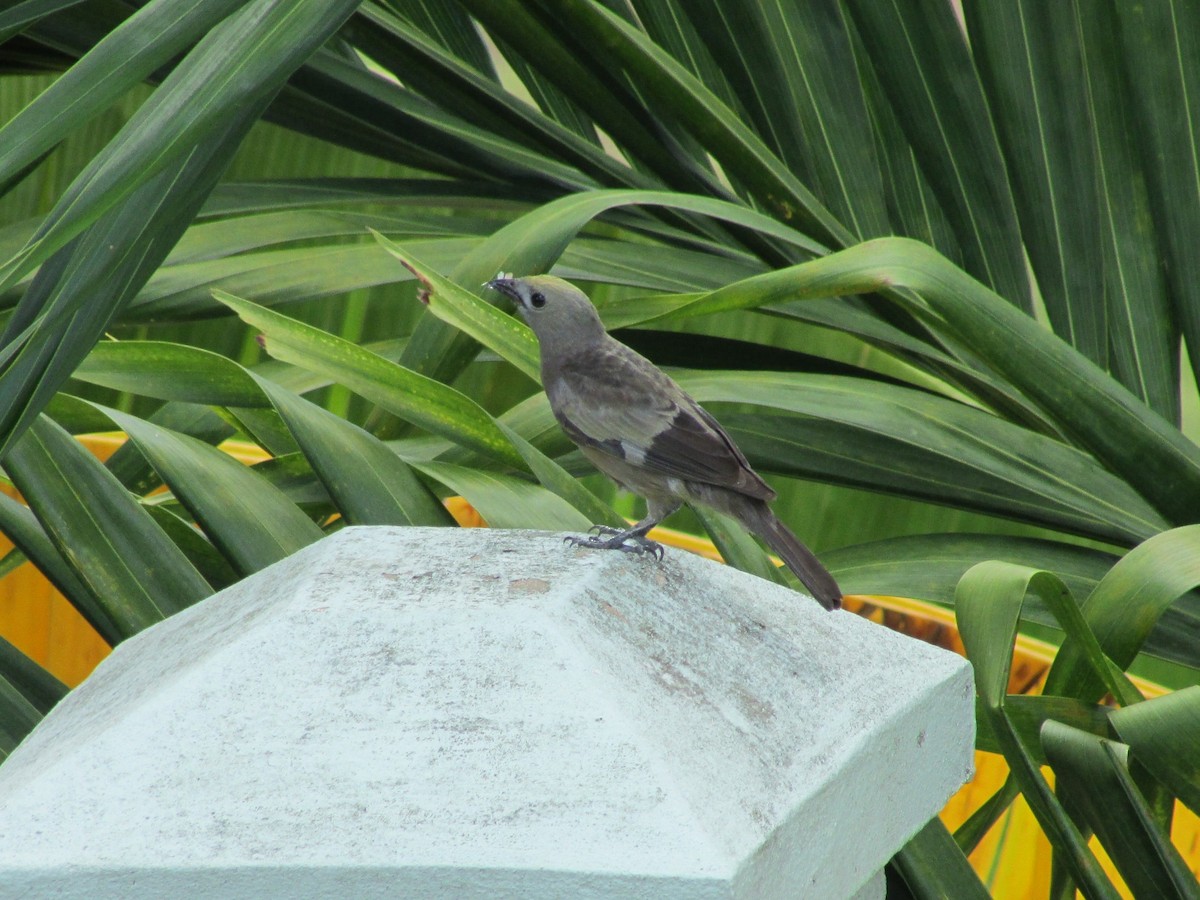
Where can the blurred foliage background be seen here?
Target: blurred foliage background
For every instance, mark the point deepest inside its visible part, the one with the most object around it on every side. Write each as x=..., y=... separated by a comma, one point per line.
x=933, y=269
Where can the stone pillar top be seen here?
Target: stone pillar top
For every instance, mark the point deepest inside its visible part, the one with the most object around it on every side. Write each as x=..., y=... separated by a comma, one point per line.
x=463, y=713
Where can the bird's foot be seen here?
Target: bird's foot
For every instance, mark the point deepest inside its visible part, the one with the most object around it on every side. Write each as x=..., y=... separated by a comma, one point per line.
x=619, y=540
x=606, y=529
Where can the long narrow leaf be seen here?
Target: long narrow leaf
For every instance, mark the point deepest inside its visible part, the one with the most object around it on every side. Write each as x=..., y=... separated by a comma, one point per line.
x=793, y=67
x=505, y=501
x=532, y=244
x=21, y=526
x=672, y=87
x=1159, y=42
x=131, y=569
x=81, y=287
x=1141, y=329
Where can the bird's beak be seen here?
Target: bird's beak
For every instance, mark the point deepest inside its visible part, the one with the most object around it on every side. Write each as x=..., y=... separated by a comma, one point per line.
x=506, y=285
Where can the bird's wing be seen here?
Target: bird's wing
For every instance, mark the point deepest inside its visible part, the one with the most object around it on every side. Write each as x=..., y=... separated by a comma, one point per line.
x=615, y=401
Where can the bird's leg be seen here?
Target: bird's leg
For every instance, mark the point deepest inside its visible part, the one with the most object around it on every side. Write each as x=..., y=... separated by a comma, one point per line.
x=628, y=540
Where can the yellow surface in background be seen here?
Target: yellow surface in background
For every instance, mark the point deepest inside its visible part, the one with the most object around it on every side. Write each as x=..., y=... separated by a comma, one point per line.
x=1013, y=859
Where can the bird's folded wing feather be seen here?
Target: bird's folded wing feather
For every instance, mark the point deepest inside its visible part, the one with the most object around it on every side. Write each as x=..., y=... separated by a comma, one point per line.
x=614, y=401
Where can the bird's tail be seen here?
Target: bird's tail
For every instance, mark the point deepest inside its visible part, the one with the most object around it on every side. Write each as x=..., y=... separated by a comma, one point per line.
x=798, y=558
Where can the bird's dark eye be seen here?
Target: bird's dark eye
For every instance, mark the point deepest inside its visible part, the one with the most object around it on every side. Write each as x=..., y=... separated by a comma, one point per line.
x=537, y=300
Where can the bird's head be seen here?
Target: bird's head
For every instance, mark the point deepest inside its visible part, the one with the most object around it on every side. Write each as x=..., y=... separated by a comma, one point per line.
x=559, y=313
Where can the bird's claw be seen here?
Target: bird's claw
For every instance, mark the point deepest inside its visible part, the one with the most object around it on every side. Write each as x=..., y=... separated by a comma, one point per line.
x=626, y=543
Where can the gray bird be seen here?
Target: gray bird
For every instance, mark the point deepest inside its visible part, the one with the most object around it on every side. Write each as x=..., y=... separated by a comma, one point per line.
x=642, y=430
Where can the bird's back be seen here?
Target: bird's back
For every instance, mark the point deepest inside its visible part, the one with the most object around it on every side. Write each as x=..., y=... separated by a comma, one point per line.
x=612, y=399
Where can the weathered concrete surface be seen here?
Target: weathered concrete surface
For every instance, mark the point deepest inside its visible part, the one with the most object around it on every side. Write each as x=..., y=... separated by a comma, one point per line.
x=484, y=713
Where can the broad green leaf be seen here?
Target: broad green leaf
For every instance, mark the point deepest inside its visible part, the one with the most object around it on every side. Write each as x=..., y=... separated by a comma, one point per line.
x=22, y=14
x=1093, y=775
x=1006, y=585
x=533, y=243
x=1163, y=734
x=177, y=525
x=1141, y=331
x=668, y=24
x=422, y=63
x=1096, y=412
x=126, y=56
x=252, y=523
x=128, y=464
x=793, y=68
x=382, y=491
x=276, y=227
x=1026, y=713
x=237, y=65
x=453, y=144
x=239, y=198
x=1159, y=42
x=37, y=686
x=449, y=27
x=556, y=479
x=1032, y=68
x=17, y=717
x=369, y=483
x=277, y=276
x=30, y=539
x=921, y=57
x=975, y=829
x=456, y=306
x=589, y=80
x=134, y=574
x=892, y=438
x=264, y=427
x=928, y=566
x=1126, y=605
x=81, y=287
x=505, y=501
x=987, y=607
x=913, y=206
x=668, y=86
x=27, y=693
x=170, y=372
x=932, y=865
x=423, y=401
x=950, y=364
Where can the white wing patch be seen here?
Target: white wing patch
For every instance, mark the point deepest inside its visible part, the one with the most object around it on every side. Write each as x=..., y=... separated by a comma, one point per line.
x=633, y=453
